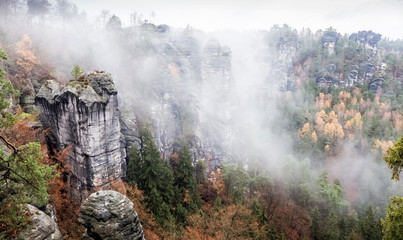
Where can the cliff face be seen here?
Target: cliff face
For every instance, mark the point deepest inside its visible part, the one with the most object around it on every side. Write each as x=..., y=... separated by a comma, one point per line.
x=187, y=81
x=85, y=116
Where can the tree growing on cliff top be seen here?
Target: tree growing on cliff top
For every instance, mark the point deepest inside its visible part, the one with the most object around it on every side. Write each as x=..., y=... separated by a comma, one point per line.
x=76, y=72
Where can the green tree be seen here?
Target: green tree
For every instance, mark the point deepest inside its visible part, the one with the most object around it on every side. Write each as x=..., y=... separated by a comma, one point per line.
x=200, y=169
x=331, y=193
x=134, y=166
x=394, y=158
x=76, y=72
x=370, y=226
x=6, y=93
x=185, y=181
x=236, y=181
x=392, y=225
x=316, y=233
x=331, y=230
x=23, y=179
x=156, y=179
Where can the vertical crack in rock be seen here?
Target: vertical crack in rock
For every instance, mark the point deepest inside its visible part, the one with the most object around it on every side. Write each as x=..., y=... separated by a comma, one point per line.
x=85, y=115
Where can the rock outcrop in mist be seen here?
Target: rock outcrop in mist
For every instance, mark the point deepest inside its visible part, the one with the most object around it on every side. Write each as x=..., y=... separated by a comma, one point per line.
x=110, y=215
x=85, y=115
x=187, y=82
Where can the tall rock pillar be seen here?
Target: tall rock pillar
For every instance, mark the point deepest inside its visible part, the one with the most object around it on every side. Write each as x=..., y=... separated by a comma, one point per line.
x=84, y=115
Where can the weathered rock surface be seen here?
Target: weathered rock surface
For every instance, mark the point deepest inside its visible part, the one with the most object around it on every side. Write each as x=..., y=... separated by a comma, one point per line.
x=42, y=227
x=85, y=115
x=109, y=215
x=366, y=37
x=280, y=76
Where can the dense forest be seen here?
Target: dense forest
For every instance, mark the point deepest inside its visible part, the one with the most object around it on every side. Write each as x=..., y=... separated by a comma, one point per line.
x=274, y=134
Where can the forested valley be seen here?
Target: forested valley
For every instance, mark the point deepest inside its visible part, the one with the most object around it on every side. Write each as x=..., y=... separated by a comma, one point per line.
x=266, y=134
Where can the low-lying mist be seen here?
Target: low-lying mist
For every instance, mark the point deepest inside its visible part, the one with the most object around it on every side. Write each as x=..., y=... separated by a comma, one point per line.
x=220, y=88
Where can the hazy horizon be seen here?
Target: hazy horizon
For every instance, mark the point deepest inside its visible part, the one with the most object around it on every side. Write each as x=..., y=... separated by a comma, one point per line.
x=345, y=16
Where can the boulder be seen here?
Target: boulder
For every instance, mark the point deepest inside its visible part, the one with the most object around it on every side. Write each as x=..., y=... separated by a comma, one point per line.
x=109, y=215
x=42, y=227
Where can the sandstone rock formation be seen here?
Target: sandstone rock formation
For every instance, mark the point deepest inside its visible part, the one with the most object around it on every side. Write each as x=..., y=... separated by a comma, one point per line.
x=42, y=227
x=85, y=115
x=109, y=215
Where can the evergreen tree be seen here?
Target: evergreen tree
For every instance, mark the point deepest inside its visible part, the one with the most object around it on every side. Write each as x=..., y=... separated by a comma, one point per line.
x=393, y=223
x=6, y=92
x=156, y=179
x=316, y=233
x=200, y=172
x=185, y=181
x=394, y=158
x=370, y=226
x=134, y=166
x=236, y=181
x=76, y=72
x=332, y=229
x=159, y=208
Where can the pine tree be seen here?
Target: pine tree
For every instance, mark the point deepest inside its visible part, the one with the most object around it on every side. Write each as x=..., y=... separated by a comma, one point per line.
x=76, y=72
x=185, y=181
x=156, y=179
x=393, y=223
x=200, y=172
x=370, y=226
x=134, y=166
x=394, y=158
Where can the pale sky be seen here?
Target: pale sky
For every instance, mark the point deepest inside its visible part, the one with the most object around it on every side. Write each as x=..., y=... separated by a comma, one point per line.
x=347, y=16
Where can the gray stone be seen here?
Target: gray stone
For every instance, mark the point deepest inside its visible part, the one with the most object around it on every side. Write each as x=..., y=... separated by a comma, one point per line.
x=42, y=227
x=109, y=215
x=85, y=116
x=366, y=37
x=330, y=36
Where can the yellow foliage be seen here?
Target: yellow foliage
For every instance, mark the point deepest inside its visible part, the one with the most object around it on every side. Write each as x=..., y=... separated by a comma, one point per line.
x=376, y=99
x=333, y=131
x=397, y=120
x=26, y=56
x=358, y=121
x=356, y=92
x=382, y=145
x=348, y=126
x=314, y=137
x=339, y=107
x=319, y=123
x=344, y=97
x=323, y=101
x=304, y=131
x=332, y=118
x=327, y=148
x=383, y=109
